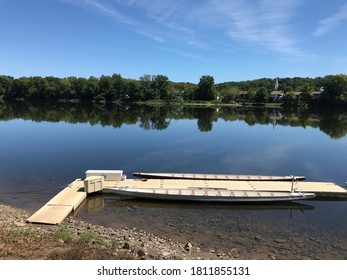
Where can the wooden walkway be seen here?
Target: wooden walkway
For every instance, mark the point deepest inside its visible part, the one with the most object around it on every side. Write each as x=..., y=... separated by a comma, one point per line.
x=319, y=188
x=61, y=205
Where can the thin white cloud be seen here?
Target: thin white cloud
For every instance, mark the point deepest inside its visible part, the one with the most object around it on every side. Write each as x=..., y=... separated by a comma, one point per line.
x=170, y=18
x=189, y=54
x=265, y=23
x=158, y=20
x=103, y=8
x=329, y=23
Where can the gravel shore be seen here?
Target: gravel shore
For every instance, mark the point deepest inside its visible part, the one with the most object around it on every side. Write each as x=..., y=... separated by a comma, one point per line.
x=22, y=240
x=81, y=240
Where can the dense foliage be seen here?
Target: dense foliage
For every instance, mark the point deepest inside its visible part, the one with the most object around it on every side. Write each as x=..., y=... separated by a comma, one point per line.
x=104, y=89
x=158, y=87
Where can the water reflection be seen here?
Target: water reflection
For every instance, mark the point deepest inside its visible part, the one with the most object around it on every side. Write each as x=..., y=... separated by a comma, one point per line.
x=333, y=122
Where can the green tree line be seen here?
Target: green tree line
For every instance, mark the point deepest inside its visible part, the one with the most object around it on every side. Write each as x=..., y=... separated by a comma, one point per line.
x=104, y=89
x=117, y=89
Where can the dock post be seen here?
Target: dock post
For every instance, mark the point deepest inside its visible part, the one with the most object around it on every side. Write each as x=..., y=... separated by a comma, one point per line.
x=292, y=189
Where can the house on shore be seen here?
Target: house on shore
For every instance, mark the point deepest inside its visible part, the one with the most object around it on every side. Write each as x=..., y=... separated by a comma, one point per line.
x=277, y=95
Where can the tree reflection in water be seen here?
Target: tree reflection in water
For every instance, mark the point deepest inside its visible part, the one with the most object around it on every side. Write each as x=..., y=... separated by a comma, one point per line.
x=331, y=121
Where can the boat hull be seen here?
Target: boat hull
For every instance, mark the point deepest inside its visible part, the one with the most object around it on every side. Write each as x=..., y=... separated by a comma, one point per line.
x=209, y=195
x=224, y=177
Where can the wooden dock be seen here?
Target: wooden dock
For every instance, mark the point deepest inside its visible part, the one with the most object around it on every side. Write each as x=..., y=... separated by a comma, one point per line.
x=68, y=200
x=321, y=189
x=60, y=206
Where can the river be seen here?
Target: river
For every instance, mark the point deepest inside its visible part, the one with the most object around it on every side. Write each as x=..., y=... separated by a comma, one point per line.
x=44, y=147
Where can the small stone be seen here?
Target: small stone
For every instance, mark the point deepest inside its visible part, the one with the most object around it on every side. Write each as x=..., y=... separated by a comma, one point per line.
x=233, y=254
x=141, y=253
x=165, y=254
x=280, y=240
x=126, y=246
x=188, y=247
x=258, y=238
x=19, y=224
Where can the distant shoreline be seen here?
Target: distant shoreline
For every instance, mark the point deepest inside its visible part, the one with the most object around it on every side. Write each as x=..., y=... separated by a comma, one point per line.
x=153, y=88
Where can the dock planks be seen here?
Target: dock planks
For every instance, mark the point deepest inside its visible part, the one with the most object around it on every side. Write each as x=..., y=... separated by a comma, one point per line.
x=320, y=188
x=61, y=205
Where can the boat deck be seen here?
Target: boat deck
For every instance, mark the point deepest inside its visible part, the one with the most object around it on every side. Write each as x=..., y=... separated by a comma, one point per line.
x=223, y=177
x=211, y=195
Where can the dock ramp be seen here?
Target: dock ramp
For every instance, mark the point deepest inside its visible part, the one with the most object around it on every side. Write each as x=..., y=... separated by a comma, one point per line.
x=61, y=205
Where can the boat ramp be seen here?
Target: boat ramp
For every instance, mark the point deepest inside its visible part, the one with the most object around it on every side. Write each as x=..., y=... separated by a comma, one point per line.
x=71, y=197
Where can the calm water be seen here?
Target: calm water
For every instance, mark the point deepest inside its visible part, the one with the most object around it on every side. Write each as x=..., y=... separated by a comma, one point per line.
x=43, y=148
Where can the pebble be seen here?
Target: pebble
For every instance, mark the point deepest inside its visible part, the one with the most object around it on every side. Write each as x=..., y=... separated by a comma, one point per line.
x=188, y=247
x=258, y=238
x=280, y=240
x=165, y=254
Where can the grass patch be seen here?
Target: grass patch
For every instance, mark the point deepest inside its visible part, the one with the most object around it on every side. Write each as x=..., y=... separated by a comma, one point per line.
x=89, y=237
x=24, y=232
x=113, y=245
x=64, y=234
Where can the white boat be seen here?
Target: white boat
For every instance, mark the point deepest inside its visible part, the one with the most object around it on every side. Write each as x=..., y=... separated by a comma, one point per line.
x=210, y=195
x=225, y=177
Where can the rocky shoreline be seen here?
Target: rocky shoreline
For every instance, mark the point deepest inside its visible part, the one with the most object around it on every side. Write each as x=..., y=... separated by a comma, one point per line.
x=37, y=241
x=130, y=243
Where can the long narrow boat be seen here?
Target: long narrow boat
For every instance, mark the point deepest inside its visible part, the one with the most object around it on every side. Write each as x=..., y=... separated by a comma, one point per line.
x=210, y=195
x=225, y=177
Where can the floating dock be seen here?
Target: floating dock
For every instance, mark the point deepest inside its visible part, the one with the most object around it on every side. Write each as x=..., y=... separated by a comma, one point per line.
x=60, y=206
x=321, y=189
x=68, y=200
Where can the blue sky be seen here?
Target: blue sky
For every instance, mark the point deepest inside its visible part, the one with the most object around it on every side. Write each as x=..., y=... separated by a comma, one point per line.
x=232, y=40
